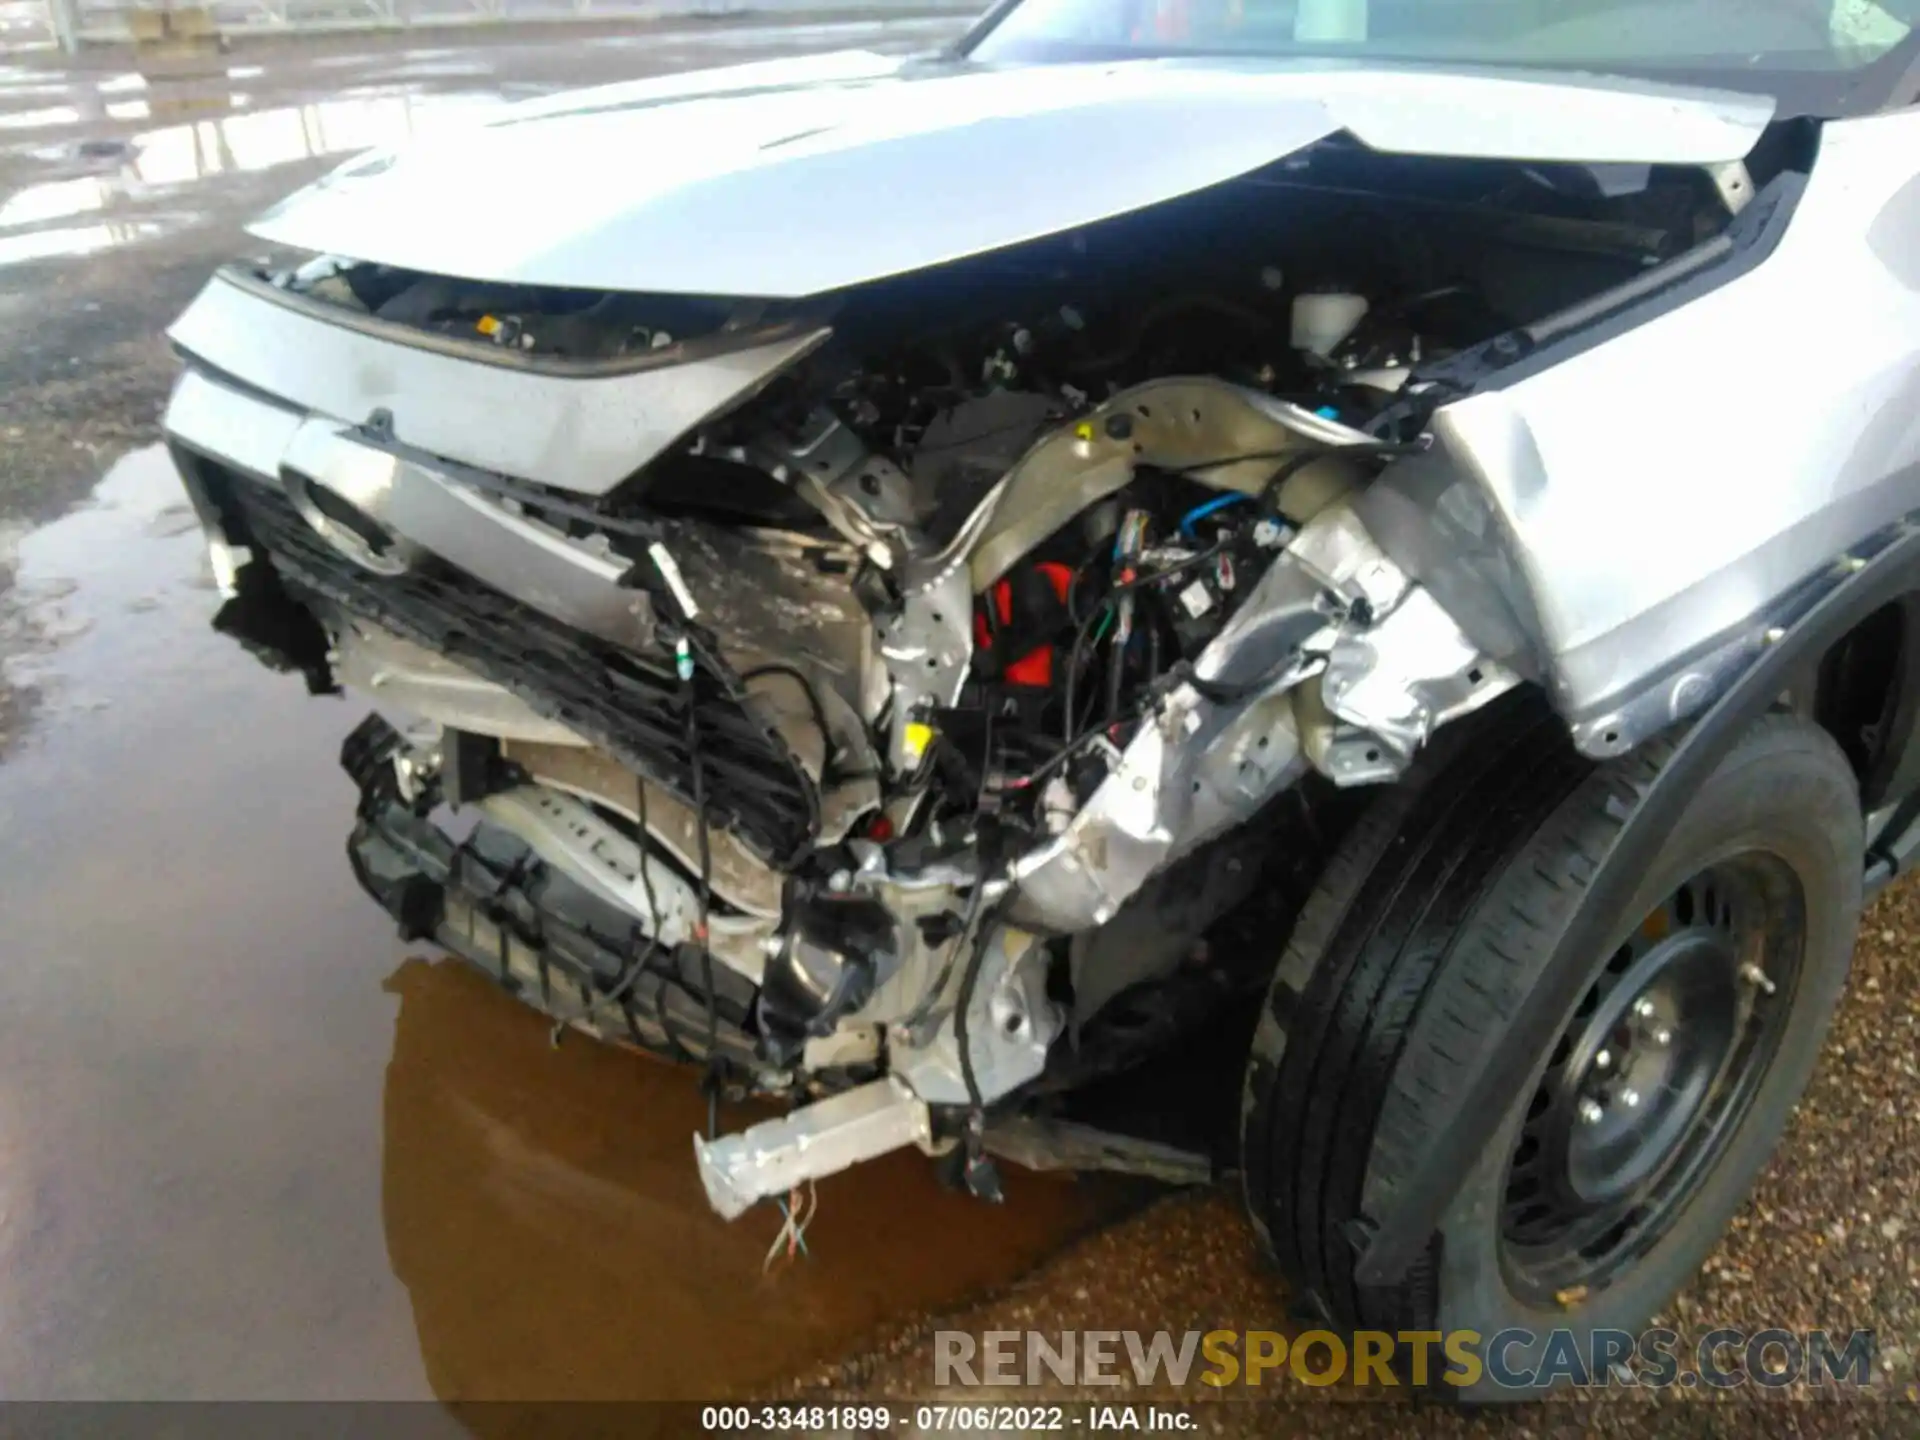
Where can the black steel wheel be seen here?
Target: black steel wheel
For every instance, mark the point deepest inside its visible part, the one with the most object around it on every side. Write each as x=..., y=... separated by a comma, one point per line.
x=1651, y=1075
x=1654, y=1099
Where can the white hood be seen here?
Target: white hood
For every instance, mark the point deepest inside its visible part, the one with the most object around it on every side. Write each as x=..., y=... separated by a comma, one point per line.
x=793, y=177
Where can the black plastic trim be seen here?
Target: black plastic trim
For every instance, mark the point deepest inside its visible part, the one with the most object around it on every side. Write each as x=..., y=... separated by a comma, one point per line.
x=632, y=704
x=685, y=352
x=1750, y=238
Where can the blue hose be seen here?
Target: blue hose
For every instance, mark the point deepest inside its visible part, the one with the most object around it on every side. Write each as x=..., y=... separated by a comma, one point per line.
x=1200, y=512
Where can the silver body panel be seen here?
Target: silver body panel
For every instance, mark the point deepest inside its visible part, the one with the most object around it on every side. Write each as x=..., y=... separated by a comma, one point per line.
x=705, y=184
x=585, y=433
x=426, y=507
x=1649, y=545
x=1660, y=490
x=1620, y=523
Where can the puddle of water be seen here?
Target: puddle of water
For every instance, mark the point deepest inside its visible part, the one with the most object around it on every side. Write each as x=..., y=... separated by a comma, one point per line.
x=75, y=240
x=39, y=119
x=206, y=148
x=815, y=36
x=250, y=1146
x=437, y=70
x=15, y=83
x=263, y=138
x=60, y=198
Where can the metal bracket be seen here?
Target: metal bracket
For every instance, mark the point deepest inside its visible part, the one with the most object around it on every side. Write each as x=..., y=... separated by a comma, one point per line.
x=811, y=1143
x=1734, y=184
x=1041, y=1144
x=1010, y=1026
x=864, y=496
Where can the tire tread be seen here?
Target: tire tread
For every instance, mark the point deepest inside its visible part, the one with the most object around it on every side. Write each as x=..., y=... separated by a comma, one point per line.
x=1424, y=936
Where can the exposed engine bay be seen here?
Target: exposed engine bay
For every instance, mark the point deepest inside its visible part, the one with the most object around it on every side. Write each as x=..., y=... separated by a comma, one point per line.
x=894, y=734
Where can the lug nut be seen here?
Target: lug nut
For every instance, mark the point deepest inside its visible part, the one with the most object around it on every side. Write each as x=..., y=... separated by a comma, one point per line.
x=1663, y=1036
x=1592, y=1112
x=1603, y=1060
x=1755, y=976
x=1630, y=1098
x=1643, y=1007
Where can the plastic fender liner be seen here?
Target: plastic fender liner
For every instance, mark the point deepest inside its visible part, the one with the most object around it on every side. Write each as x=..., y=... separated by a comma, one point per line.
x=1401, y=1237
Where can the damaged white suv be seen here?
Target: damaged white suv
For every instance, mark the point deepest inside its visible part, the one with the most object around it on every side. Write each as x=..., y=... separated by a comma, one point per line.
x=1367, y=538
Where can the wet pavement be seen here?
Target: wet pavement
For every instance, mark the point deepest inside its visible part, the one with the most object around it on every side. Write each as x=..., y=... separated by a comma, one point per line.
x=251, y=1146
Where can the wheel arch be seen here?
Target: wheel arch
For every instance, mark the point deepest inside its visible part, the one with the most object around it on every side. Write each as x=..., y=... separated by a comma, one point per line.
x=1865, y=692
x=1651, y=798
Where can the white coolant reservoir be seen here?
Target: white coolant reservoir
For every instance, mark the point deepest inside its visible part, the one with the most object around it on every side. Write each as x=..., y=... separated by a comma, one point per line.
x=1322, y=321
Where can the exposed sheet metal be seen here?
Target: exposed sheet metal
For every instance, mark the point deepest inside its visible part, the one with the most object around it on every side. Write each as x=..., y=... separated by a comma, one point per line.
x=423, y=509
x=567, y=833
x=815, y=1141
x=738, y=876
x=1194, y=772
x=586, y=434
x=1177, y=423
x=698, y=185
x=400, y=675
x=1011, y=1024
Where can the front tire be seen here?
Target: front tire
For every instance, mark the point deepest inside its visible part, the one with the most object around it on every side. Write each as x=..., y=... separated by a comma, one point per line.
x=1650, y=1106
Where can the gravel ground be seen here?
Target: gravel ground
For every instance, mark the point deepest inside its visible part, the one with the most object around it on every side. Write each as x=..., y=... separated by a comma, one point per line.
x=1830, y=1239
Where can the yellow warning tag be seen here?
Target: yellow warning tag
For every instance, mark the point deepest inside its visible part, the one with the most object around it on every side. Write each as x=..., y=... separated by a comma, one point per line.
x=918, y=738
